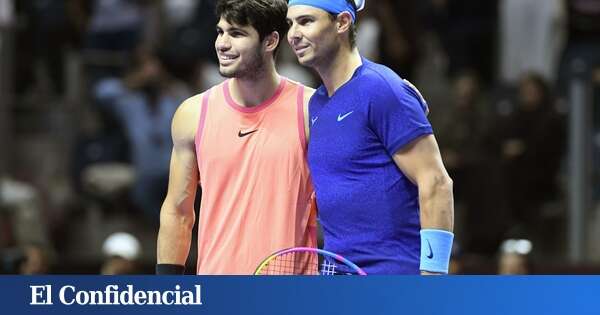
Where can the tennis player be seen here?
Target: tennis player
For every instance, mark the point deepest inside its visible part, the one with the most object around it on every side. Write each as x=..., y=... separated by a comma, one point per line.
x=244, y=141
x=384, y=197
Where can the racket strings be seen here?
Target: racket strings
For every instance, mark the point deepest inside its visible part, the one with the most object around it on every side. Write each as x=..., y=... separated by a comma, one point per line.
x=328, y=268
x=299, y=263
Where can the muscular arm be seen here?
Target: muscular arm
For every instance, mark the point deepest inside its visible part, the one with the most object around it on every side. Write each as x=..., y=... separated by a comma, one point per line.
x=177, y=213
x=422, y=163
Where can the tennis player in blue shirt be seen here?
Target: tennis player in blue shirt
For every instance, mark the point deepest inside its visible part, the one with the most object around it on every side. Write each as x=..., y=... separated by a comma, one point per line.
x=384, y=197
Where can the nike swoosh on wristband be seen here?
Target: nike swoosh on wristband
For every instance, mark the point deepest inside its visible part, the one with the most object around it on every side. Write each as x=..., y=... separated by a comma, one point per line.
x=342, y=117
x=243, y=134
x=430, y=251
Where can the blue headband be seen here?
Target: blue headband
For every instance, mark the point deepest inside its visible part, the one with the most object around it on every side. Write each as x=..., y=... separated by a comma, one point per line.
x=331, y=6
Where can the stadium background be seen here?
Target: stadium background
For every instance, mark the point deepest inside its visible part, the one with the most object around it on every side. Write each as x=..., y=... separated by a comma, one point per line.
x=87, y=89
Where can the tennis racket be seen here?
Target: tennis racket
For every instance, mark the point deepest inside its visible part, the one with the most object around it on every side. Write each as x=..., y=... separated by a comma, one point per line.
x=307, y=261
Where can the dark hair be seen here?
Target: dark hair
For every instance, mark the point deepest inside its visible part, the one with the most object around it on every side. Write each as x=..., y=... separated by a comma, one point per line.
x=352, y=31
x=546, y=101
x=539, y=82
x=265, y=16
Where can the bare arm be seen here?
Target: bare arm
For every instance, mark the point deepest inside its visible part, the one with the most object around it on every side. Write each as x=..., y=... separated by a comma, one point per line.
x=177, y=213
x=422, y=163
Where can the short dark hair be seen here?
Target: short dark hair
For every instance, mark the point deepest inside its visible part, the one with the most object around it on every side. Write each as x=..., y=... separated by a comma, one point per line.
x=265, y=16
x=352, y=31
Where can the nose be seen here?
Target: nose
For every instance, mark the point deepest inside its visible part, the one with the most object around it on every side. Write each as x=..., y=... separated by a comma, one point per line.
x=222, y=43
x=293, y=34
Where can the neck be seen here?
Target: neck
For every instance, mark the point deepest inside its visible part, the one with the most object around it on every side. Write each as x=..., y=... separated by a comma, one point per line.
x=253, y=91
x=338, y=70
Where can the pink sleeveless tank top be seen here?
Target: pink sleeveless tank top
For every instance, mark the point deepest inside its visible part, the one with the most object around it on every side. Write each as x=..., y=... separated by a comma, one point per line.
x=256, y=188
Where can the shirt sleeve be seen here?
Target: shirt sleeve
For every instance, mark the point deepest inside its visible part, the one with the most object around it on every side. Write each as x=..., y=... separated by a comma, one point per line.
x=397, y=114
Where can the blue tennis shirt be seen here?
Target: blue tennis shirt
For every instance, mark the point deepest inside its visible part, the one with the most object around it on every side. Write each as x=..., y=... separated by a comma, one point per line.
x=368, y=208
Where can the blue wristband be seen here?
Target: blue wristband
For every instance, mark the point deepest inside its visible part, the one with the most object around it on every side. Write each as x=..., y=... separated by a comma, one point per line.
x=436, y=246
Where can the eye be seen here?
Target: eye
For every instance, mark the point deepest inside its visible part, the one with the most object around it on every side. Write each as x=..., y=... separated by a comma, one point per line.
x=304, y=21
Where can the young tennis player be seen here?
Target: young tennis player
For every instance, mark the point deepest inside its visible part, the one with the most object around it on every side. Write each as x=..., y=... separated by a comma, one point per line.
x=244, y=141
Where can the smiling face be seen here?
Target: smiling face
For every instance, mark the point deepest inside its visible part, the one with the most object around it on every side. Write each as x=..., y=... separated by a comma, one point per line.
x=239, y=50
x=313, y=35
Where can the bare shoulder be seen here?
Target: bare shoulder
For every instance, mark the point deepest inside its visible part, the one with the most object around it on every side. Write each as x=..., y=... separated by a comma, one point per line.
x=308, y=93
x=185, y=120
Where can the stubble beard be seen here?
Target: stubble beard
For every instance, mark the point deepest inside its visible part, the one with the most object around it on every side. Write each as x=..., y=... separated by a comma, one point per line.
x=251, y=70
x=321, y=60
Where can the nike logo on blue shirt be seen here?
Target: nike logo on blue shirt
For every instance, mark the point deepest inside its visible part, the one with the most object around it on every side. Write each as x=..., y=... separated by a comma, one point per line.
x=340, y=117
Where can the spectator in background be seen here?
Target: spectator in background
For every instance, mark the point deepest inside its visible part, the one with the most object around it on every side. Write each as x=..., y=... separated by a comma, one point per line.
x=48, y=30
x=399, y=45
x=100, y=141
x=27, y=259
x=115, y=25
x=36, y=260
x=530, y=143
x=514, y=257
x=531, y=38
x=583, y=43
x=21, y=204
x=466, y=29
x=115, y=29
x=187, y=37
x=144, y=102
x=24, y=243
x=461, y=126
x=459, y=130
x=122, y=251
x=369, y=35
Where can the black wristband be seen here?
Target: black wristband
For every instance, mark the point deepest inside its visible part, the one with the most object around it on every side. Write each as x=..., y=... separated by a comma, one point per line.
x=169, y=269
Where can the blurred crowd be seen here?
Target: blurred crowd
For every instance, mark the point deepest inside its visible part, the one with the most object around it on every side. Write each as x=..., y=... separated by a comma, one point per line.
x=93, y=86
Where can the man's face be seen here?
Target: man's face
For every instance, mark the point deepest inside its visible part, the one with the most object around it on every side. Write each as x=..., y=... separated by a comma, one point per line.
x=312, y=34
x=239, y=50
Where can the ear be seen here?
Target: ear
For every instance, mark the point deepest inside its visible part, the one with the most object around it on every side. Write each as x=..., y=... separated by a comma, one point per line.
x=271, y=42
x=344, y=22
